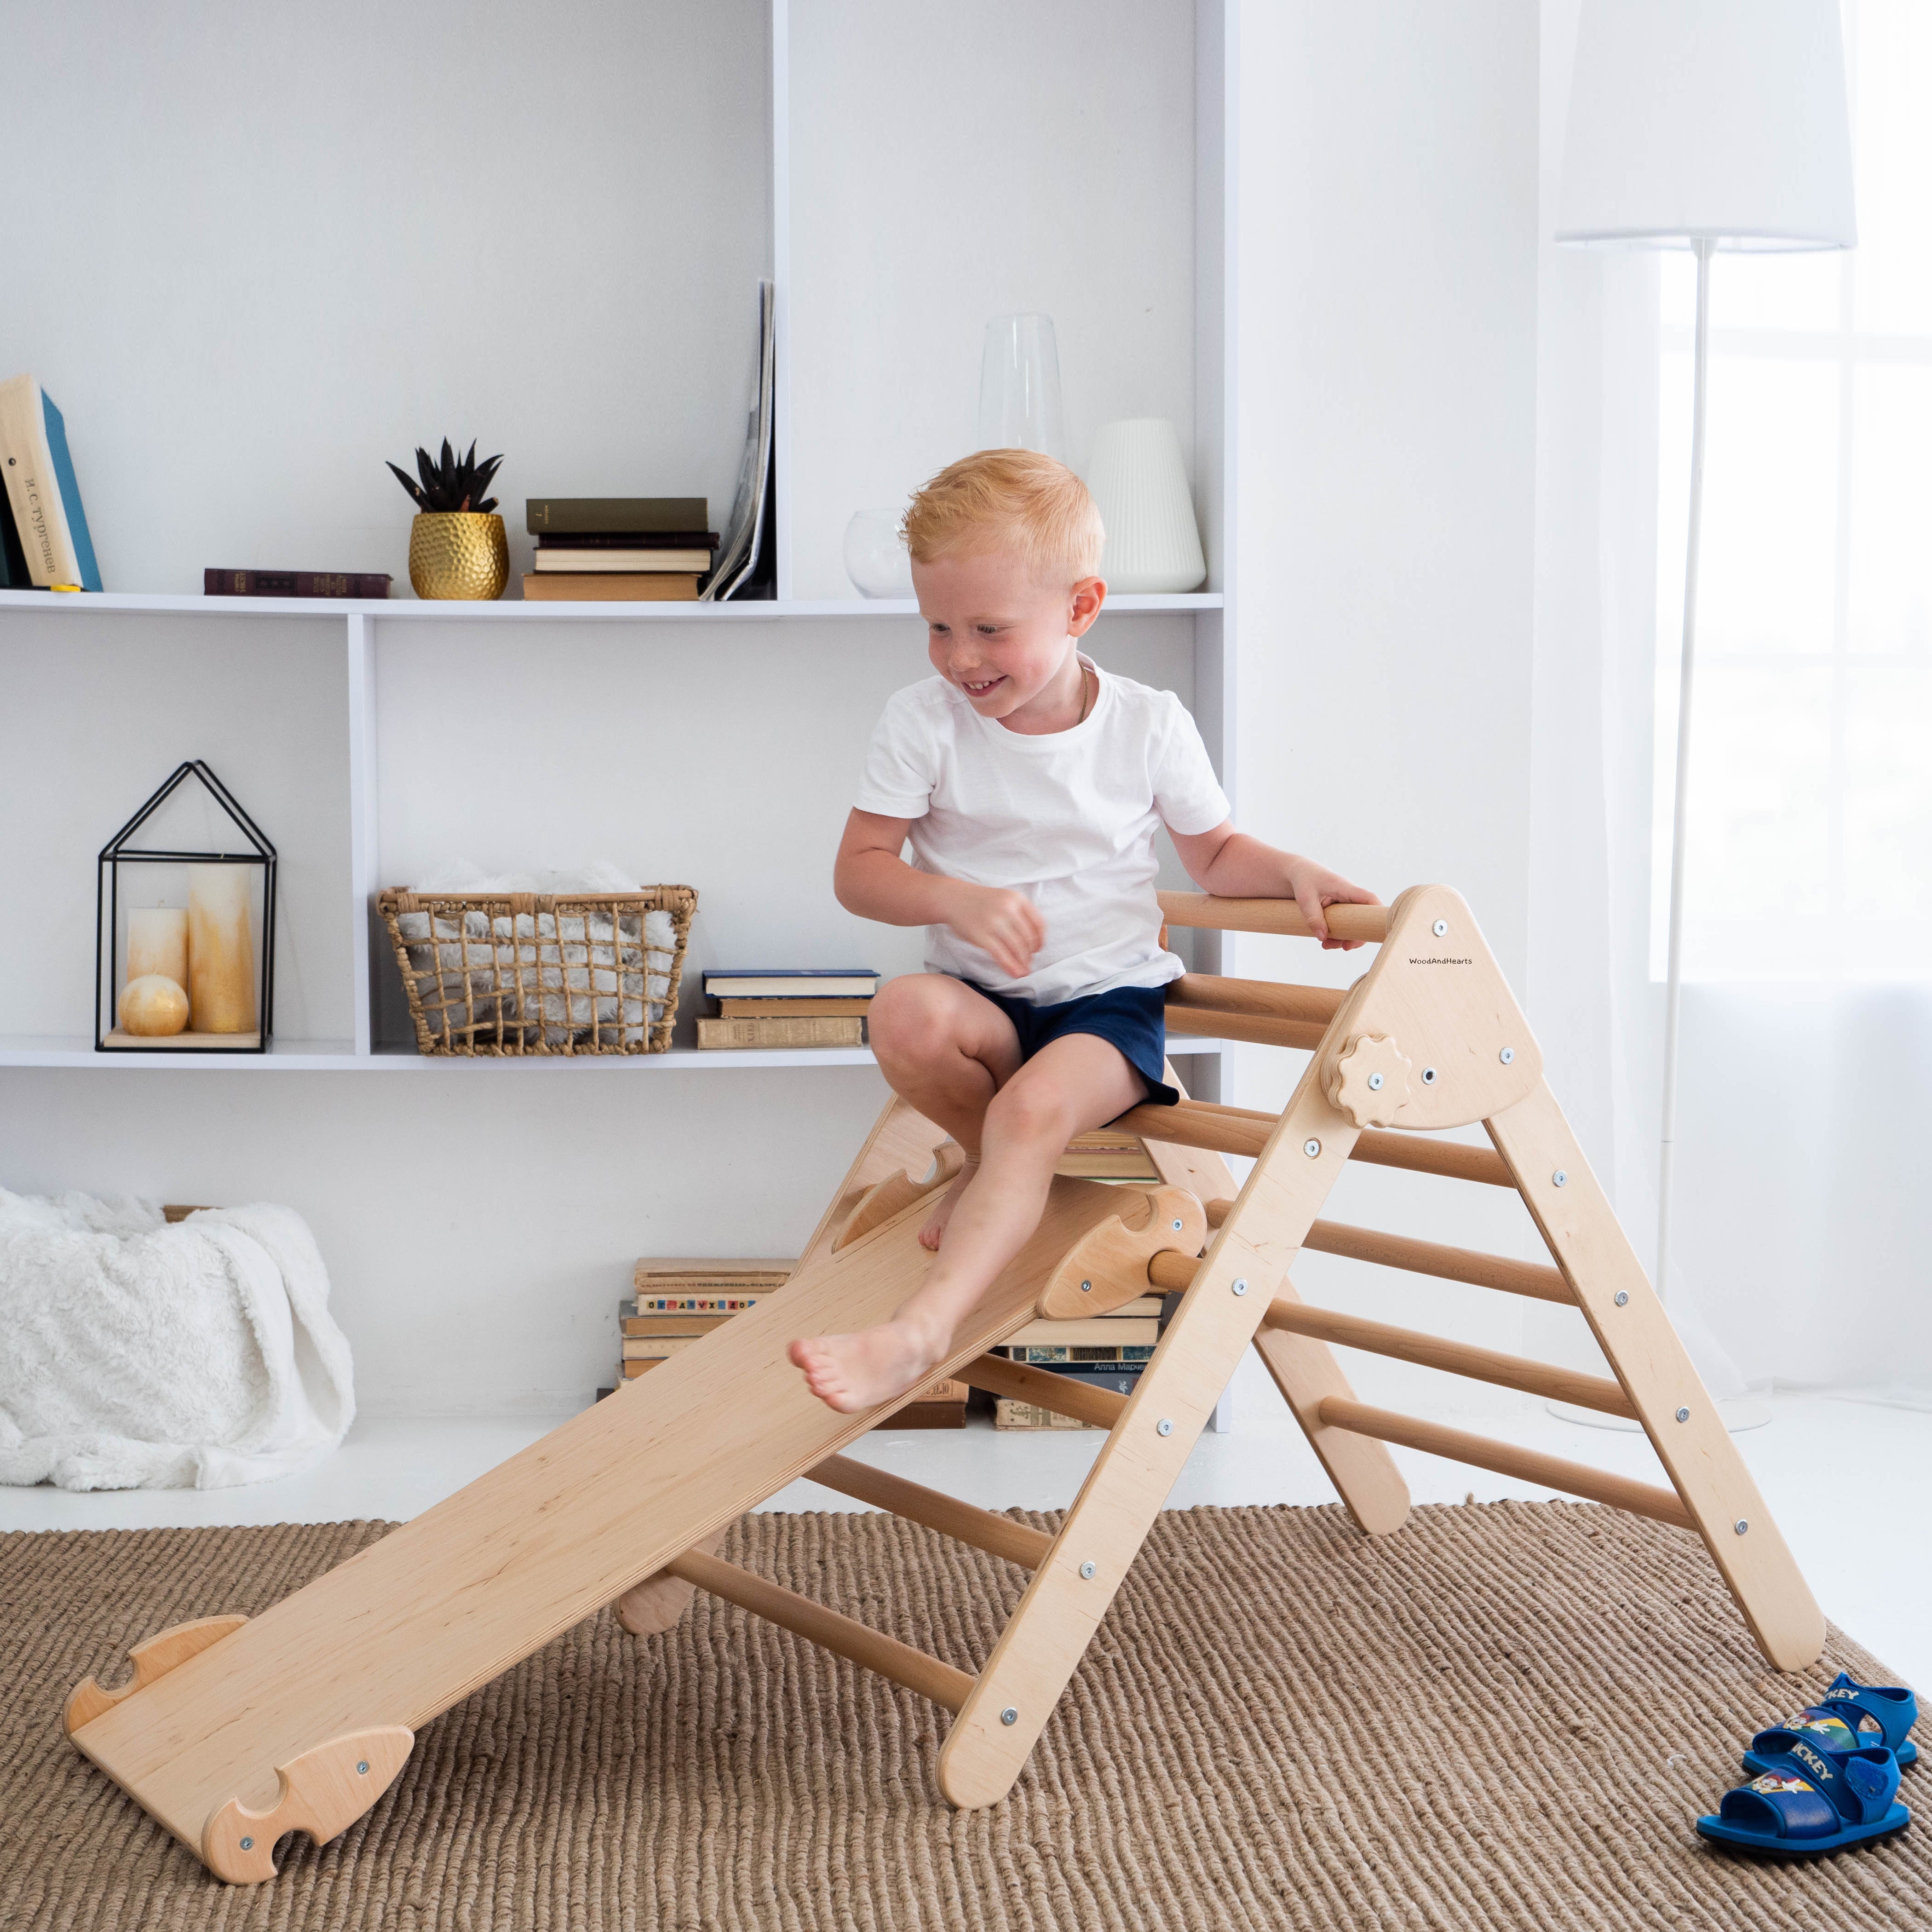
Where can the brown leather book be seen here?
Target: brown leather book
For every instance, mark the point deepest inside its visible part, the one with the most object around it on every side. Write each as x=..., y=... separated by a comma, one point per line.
x=793, y=1010
x=295, y=583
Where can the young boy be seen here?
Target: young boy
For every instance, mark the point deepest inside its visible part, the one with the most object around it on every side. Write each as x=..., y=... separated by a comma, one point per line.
x=1029, y=782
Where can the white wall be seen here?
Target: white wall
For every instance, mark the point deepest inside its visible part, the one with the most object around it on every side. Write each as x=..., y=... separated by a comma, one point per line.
x=267, y=248
x=953, y=163
x=1384, y=502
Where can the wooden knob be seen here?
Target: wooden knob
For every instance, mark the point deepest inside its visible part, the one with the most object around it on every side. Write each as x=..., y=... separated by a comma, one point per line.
x=1370, y=1082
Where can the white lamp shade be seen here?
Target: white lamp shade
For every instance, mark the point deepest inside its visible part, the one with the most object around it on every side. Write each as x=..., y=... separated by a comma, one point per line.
x=1720, y=121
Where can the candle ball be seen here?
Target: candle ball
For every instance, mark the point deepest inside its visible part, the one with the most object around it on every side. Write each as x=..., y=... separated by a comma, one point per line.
x=153, y=1004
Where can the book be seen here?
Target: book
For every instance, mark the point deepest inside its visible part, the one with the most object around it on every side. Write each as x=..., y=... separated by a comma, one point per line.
x=14, y=574
x=1106, y=1155
x=1103, y=1330
x=1008, y=1413
x=1050, y=1354
x=574, y=561
x=1117, y=1377
x=823, y=1006
x=40, y=485
x=941, y=1406
x=640, y=587
x=712, y=1034
x=655, y=1347
x=745, y=563
x=746, y=982
x=295, y=583
x=680, y=1323
x=622, y=516
x=652, y=540
x=632, y=1370
x=774, y=1269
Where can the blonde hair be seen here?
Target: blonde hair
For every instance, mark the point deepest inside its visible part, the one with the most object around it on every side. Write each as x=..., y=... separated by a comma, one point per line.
x=1008, y=499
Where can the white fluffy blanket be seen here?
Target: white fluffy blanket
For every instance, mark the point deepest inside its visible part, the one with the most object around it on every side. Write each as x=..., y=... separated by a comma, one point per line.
x=137, y=1355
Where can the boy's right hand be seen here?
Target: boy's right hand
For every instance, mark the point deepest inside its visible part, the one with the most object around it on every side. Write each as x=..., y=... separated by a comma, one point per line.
x=1004, y=923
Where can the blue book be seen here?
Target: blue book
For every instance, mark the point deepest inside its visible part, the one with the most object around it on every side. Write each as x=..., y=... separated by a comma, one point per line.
x=42, y=490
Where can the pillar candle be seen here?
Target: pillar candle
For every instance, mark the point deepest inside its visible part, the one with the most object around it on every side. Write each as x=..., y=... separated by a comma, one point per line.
x=157, y=943
x=220, y=949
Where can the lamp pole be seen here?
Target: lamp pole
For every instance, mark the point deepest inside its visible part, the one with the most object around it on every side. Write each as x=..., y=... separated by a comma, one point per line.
x=1679, y=815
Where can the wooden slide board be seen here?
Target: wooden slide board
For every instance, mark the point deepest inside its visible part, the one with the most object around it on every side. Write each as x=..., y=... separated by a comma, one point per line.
x=412, y=1625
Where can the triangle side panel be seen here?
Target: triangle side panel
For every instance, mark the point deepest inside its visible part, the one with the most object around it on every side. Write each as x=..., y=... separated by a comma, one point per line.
x=1589, y=1246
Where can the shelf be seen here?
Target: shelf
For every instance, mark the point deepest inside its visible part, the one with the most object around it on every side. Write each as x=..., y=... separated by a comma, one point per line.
x=414, y=610
x=335, y=1056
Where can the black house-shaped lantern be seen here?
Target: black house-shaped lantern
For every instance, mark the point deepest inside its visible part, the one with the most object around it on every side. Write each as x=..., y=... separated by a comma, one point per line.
x=185, y=941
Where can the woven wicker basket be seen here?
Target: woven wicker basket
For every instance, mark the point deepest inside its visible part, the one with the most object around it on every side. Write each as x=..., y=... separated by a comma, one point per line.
x=540, y=973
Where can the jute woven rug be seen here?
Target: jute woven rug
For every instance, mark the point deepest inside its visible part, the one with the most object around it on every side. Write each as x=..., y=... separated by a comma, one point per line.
x=1505, y=1715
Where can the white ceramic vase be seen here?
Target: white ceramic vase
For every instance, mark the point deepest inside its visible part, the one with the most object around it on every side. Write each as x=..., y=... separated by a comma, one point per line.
x=1139, y=483
x=876, y=559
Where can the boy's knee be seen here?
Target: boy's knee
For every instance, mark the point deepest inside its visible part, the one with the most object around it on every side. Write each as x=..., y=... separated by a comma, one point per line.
x=1029, y=1112
x=907, y=1015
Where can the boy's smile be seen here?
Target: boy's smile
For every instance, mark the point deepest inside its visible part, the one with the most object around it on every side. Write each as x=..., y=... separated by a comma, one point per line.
x=999, y=633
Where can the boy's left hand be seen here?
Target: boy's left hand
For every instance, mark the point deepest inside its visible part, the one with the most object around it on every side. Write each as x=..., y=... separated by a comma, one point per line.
x=1314, y=886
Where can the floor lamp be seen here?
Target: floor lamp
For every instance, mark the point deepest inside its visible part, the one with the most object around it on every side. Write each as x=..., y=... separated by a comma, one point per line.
x=1712, y=125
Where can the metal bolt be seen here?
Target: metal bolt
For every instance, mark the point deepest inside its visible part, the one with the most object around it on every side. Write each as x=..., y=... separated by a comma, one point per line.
x=1559, y=1179
x=1428, y=1076
x=1740, y=1526
x=1311, y=1148
x=362, y=1769
x=1175, y=1225
x=1440, y=926
x=1010, y=1716
x=1508, y=1055
x=1086, y=1287
x=1241, y=1287
x=1375, y=1083
x=1164, y=1426
x=248, y=1844
x=1086, y=1571
x=1623, y=1295
x=1683, y=1415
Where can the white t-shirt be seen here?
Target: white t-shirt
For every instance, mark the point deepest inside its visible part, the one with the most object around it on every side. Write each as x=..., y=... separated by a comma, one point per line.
x=1067, y=818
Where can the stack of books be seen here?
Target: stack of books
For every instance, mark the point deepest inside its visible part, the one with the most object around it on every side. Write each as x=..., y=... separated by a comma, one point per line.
x=1106, y=1154
x=679, y=1300
x=1107, y=1352
x=783, y=1006
x=618, y=549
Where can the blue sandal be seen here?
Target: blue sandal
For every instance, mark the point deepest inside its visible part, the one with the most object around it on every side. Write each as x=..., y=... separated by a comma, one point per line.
x=1809, y=1799
x=1851, y=1716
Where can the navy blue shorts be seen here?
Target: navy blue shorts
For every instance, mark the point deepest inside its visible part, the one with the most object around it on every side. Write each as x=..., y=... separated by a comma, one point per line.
x=1133, y=1018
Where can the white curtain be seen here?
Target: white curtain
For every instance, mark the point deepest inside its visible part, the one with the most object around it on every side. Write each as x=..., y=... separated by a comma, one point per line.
x=1806, y=1078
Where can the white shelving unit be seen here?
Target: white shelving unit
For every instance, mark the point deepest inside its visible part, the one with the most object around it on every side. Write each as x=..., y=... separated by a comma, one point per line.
x=392, y=707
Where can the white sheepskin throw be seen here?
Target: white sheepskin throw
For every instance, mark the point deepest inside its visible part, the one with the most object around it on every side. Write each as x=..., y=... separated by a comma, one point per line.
x=137, y=1355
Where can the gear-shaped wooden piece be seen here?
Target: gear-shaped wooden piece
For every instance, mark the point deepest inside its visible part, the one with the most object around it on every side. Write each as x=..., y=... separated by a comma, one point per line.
x=1370, y=1082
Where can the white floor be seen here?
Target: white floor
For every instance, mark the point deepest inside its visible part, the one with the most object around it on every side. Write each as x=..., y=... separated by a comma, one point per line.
x=1849, y=1483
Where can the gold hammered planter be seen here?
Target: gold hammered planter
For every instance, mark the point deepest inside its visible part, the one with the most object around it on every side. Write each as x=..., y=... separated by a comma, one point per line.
x=458, y=553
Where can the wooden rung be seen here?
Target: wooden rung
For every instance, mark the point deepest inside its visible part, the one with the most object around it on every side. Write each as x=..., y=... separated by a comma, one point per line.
x=1265, y=999
x=1421, y=1155
x=1044, y=1390
x=998, y=1535
x=1400, y=1251
x=1459, y=1358
x=1200, y=1123
x=1257, y=1029
x=1281, y=916
x=1526, y=1465
x=863, y=1644
x=1171, y=1271
x=1243, y=1130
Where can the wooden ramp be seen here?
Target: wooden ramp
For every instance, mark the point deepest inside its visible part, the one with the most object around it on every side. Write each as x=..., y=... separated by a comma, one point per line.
x=415, y=1623
x=233, y=1732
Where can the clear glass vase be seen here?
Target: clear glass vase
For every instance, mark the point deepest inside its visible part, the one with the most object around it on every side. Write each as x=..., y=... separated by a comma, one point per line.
x=1019, y=387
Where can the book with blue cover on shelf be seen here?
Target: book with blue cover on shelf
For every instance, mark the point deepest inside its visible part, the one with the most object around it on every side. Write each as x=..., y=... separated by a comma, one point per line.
x=41, y=489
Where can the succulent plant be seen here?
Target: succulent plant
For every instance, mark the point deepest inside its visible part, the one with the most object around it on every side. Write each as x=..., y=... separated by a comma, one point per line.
x=458, y=483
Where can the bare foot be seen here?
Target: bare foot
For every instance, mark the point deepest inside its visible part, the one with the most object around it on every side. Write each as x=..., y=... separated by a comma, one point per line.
x=849, y=1373
x=930, y=1234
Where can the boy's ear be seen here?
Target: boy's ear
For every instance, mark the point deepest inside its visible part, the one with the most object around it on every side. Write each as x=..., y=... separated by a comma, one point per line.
x=1083, y=604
